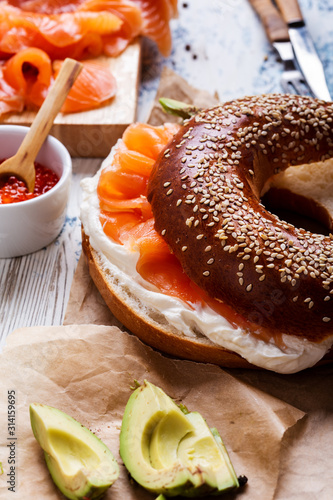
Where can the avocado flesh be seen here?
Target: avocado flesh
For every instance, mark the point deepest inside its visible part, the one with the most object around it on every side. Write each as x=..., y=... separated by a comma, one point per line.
x=80, y=464
x=169, y=452
x=169, y=431
x=146, y=407
x=203, y=448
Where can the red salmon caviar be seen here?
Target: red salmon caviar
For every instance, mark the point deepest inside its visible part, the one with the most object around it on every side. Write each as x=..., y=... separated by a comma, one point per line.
x=13, y=190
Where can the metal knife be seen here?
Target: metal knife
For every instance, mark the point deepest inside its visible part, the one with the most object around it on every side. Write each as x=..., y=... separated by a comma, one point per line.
x=304, y=49
x=292, y=80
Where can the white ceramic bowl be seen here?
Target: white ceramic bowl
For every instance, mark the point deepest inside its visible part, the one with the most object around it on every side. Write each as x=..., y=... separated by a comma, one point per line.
x=30, y=225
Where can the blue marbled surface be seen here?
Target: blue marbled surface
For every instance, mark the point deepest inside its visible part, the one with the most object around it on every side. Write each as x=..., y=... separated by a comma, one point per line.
x=221, y=46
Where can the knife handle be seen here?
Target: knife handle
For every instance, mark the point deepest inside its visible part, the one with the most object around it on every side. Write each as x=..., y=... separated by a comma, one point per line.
x=290, y=11
x=271, y=19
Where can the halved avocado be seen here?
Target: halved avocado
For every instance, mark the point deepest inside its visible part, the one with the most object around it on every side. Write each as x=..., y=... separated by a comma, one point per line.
x=80, y=464
x=204, y=448
x=172, y=452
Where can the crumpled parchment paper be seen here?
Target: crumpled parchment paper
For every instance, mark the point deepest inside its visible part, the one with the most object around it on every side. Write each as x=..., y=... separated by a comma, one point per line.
x=88, y=370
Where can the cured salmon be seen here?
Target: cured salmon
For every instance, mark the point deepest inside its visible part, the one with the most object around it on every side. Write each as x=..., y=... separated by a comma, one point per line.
x=148, y=140
x=80, y=29
x=46, y=6
x=74, y=34
x=30, y=73
x=94, y=86
x=27, y=76
x=156, y=21
x=126, y=216
x=84, y=26
x=132, y=23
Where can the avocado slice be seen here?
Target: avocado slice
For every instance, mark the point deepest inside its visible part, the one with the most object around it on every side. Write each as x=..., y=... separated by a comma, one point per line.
x=80, y=464
x=170, y=451
x=204, y=448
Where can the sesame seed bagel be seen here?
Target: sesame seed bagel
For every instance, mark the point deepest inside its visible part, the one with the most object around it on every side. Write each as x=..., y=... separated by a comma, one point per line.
x=205, y=193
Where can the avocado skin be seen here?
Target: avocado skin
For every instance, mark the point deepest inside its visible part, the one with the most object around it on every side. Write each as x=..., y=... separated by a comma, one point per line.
x=159, y=469
x=80, y=464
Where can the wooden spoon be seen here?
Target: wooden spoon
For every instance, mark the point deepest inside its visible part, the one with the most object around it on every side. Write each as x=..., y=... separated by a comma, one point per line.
x=22, y=163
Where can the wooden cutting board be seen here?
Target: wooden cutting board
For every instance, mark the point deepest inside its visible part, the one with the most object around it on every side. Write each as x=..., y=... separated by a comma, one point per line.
x=93, y=133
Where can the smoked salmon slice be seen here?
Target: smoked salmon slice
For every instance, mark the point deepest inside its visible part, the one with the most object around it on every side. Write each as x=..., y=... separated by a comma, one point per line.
x=133, y=161
x=131, y=17
x=115, y=225
x=125, y=216
x=27, y=76
x=116, y=22
x=121, y=185
x=148, y=140
x=157, y=265
x=94, y=86
x=46, y=6
x=138, y=205
x=30, y=73
x=156, y=21
x=60, y=35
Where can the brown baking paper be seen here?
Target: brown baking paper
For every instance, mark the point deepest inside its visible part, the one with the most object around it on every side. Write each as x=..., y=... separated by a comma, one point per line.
x=88, y=370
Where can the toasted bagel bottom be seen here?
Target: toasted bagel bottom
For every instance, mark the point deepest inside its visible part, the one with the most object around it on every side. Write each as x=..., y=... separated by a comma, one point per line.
x=145, y=324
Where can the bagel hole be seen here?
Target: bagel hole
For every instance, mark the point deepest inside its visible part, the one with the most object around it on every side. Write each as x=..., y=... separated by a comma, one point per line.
x=298, y=210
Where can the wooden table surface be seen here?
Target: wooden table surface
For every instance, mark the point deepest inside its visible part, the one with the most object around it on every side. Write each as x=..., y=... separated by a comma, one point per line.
x=220, y=48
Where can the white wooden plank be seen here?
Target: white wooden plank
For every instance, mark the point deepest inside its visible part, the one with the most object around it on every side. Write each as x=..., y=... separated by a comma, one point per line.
x=34, y=289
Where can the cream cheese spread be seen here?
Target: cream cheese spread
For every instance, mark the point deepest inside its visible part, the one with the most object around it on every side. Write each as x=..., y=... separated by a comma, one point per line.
x=297, y=354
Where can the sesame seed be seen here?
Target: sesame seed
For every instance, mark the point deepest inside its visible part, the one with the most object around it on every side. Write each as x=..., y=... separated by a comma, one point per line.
x=215, y=186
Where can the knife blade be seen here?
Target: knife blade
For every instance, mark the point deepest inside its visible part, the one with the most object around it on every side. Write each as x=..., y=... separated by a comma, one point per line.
x=292, y=80
x=304, y=48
